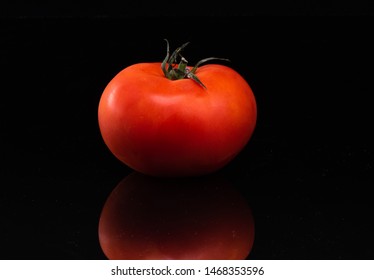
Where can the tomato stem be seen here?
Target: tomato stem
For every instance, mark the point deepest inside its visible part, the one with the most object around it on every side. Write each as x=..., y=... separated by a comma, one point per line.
x=174, y=71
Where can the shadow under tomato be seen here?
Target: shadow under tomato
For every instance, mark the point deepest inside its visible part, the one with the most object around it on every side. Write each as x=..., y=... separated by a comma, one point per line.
x=156, y=218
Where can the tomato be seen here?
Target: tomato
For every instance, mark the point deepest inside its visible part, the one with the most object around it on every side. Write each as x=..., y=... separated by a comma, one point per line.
x=165, y=119
x=162, y=218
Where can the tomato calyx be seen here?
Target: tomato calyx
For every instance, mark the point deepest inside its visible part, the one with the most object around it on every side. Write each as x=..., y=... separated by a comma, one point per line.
x=177, y=71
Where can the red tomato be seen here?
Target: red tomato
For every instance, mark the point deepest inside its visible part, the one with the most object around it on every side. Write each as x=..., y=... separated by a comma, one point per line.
x=183, y=127
x=158, y=218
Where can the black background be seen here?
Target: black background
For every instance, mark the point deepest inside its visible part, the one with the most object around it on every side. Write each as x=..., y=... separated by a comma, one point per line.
x=307, y=172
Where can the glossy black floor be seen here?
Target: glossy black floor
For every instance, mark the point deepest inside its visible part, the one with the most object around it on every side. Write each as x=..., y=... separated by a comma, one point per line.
x=306, y=173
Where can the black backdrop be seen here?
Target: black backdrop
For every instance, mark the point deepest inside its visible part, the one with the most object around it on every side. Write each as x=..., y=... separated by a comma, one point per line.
x=307, y=172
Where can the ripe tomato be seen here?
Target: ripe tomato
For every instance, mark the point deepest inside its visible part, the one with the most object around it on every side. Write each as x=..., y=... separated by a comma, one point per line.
x=174, y=126
x=150, y=218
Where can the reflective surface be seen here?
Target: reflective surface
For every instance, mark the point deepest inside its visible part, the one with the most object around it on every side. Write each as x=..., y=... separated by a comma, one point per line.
x=156, y=218
x=306, y=174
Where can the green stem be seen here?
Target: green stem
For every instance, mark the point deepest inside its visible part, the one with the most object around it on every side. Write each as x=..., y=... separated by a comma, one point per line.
x=174, y=71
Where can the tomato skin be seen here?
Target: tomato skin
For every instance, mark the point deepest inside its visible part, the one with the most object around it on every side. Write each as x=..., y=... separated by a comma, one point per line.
x=149, y=218
x=162, y=127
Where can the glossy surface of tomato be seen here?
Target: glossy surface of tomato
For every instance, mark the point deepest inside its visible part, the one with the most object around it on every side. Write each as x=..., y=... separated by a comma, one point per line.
x=165, y=127
x=148, y=218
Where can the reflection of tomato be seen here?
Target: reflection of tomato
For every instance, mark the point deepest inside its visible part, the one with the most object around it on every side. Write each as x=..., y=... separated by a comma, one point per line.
x=165, y=127
x=150, y=218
